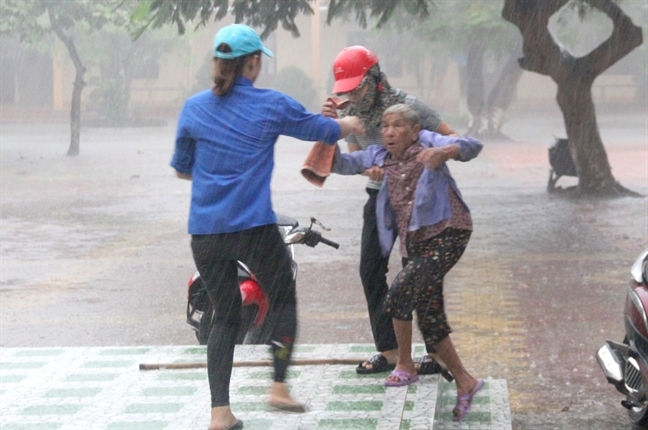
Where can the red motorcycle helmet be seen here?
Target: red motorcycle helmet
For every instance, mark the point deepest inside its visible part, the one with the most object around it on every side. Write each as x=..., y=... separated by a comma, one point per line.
x=350, y=66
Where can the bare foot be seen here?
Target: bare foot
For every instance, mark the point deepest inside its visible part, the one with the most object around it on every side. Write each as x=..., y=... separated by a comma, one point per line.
x=221, y=418
x=466, y=385
x=408, y=367
x=280, y=398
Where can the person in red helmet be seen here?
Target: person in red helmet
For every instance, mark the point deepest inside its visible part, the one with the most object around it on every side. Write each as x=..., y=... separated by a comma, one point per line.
x=358, y=78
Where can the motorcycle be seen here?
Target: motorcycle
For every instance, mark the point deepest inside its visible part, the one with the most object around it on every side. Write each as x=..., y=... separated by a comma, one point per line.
x=256, y=323
x=625, y=364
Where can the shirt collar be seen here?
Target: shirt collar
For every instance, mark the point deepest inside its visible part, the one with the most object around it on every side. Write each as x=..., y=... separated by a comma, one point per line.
x=242, y=80
x=410, y=153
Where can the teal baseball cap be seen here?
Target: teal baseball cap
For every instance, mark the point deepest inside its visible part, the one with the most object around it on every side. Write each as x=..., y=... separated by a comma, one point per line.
x=242, y=39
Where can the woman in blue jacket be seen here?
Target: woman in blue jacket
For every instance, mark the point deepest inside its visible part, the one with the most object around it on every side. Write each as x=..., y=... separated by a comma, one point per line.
x=420, y=203
x=225, y=145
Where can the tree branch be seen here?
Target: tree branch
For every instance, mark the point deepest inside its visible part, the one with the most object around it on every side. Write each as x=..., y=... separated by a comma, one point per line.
x=624, y=38
x=67, y=41
x=380, y=9
x=541, y=53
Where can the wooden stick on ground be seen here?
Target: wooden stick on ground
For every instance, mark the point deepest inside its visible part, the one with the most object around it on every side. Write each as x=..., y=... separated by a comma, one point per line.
x=259, y=363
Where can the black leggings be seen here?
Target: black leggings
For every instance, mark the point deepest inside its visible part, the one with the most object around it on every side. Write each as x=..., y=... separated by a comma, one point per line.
x=263, y=251
x=419, y=286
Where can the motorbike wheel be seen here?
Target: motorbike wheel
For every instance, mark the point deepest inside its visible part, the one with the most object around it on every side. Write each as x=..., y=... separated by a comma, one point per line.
x=205, y=326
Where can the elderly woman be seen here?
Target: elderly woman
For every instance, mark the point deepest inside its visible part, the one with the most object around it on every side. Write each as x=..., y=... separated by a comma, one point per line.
x=420, y=203
x=360, y=80
x=225, y=145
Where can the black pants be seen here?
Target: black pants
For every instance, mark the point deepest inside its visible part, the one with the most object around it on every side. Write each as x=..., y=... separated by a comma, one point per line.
x=373, y=274
x=263, y=251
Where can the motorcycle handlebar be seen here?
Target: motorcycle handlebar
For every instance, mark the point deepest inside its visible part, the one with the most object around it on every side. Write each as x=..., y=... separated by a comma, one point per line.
x=309, y=238
x=330, y=243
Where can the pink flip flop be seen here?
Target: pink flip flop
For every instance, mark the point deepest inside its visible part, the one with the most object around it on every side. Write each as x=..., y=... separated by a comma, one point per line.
x=402, y=378
x=464, y=402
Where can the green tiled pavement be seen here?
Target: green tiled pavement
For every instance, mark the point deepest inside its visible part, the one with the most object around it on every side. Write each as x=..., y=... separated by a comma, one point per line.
x=103, y=388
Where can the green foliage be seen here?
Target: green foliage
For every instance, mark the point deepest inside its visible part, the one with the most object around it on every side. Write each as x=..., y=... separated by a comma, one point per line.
x=379, y=10
x=109, y=101
x=296, y=83
x=120, y=60
x=32, y=19
x=265, y=14
x=24, y=18
x=458, y=23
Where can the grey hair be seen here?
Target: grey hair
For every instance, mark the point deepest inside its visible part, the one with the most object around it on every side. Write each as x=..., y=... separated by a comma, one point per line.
x=410, y=116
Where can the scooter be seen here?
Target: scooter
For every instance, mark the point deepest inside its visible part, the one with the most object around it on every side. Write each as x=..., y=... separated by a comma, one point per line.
x=625, y=364
x=256, y=324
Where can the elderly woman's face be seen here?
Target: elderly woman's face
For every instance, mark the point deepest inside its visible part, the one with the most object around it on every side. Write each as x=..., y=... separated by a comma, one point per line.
x=397, y=134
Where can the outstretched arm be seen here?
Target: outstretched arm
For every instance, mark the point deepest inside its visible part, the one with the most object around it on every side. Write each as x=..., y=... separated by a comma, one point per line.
x=433, y=158
x=358, y=162
x=443, y=148
x=350, y=125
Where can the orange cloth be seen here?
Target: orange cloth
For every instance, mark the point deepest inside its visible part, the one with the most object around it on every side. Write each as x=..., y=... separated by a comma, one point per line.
x=318, y=163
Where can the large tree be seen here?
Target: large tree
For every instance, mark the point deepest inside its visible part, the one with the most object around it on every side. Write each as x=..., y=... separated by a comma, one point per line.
x=575, y=77
x=32, y=20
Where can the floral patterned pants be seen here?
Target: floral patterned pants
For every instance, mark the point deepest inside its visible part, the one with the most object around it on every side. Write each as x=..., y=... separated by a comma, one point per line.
x=419, y=286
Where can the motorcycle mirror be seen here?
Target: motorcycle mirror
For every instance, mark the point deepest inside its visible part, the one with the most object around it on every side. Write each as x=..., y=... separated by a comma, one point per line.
x=639, y=269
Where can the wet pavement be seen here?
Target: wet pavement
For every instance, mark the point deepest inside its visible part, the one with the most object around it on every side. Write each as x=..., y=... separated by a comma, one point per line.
x=106, y=388
x=95, y=254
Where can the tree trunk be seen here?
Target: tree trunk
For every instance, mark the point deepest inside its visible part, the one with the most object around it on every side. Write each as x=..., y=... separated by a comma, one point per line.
x=475, y=87
x=79, y=84
x=575, y=77
x=487, y=110
x=585, y=144
x=500, y=97
x=128, y=114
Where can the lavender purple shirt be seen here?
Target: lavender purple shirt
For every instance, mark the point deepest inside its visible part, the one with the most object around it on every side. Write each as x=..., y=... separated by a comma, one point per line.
x=432, y=202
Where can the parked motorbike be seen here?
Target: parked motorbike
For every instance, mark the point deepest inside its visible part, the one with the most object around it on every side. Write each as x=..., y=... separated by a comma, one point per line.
x=256, y=323
x=625, y=364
